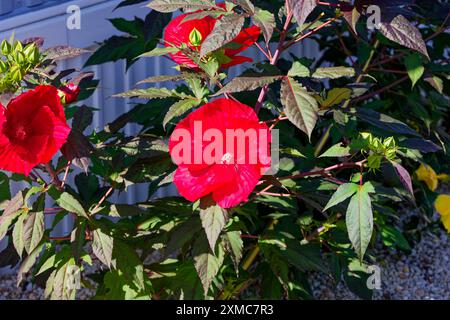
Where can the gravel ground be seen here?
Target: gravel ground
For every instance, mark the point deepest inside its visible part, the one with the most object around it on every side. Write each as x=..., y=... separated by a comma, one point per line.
x=424, y=274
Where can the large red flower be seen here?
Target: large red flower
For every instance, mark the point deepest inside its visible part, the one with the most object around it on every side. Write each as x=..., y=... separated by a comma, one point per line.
x=231, y=171
x=178, y=33
x=33, y=128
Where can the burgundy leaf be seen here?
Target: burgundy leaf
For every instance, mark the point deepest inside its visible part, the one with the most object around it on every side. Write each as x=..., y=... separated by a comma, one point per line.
x=401, y=31
x=302, y=9
x=404, y=177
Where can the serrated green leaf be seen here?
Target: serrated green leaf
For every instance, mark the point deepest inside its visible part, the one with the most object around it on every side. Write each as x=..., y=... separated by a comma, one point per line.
x=436, y=83
x=17, y=235
x=336, y=151
x=174, y=5
x=299, y=70
x=177, y=77
x=225, y=30
x=265, y=20
x=299, y=106
x=29, y=261
x=102, y=247
x=240, y=84
x=149, y=93
x=342, y=193
x=234, y=245
x=415, y=68
x=34, y=226
x=213, y=220
x=359, y=221
x=206, y=263
x=333, y=72
x=69, y=203
x=179, y=108
x=159, y=51
x=11, y=212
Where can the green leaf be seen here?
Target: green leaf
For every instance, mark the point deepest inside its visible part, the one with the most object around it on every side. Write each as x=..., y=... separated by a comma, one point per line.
x=335, y=96
x=177, y=77
x=392, y=236
x=384, y=122
x=63, y=52
x=70, y=204
x=240, y=84
x=436, y=83
x=149, y=93
x=17, y=235
x=247, y=5
x=304, y=257
x=225, y=30
x=333, y=72
x=182, y=234
x=11, y=212
x=29, y=262
x=179, y=108
x=343, y=192
x=336, y=151
x=213, y=220
x=174, y=5
x=298, y=70
x=34, y=227
x=5, y=193
x=401, y=31
x=102, y=247
x=160, y=51
x=235, y=246
x=359, y=221
x=206, y=263
x=414, y=66
x=299, y=106
x=61, y=290
x=265, y=20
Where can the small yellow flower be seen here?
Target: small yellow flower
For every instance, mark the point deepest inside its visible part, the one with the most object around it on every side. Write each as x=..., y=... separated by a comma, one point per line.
x=442, y=206
x=443, y=177
x=426, y=174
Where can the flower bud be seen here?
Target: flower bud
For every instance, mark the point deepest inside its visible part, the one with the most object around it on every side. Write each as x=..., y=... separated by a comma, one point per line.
x=69, y=93
x=6, y=47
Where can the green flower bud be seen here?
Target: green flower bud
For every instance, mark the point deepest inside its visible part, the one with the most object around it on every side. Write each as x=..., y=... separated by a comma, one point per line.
x=20, y=57
x=32, y=53
x=6, y=47
x=3, y=66
x=16, y=74
x=18, y=47
x=195, y=38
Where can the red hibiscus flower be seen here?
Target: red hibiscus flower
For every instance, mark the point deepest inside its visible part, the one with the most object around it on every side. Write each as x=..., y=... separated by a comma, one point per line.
x=193, y=32
x=222, y=150
x=69, y=93
x=33, y=128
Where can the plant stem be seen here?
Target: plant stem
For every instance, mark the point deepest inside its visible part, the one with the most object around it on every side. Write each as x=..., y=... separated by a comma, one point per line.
x=325, y=171
x=55, y=179
x=274, y=59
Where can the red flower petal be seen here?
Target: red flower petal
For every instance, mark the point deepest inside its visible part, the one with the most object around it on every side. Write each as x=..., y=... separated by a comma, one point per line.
x=32, y=129
x=230, y=183
x=246, y=38
x=231, y=194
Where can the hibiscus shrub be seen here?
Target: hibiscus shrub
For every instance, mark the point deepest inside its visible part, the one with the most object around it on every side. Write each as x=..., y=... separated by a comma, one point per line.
x=296, y=165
